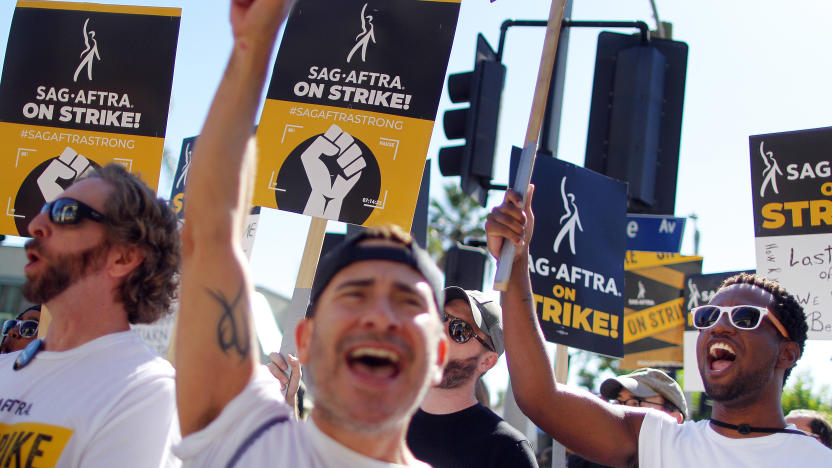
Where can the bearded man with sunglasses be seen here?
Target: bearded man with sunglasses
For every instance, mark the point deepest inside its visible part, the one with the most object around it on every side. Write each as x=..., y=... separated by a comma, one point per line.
x=103, y=255
x=750, y=337
x=452, y=429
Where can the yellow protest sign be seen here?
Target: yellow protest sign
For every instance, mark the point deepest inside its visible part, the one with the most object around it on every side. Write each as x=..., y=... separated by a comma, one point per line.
x=654, y=313
x=349, y=111
x=67, y=107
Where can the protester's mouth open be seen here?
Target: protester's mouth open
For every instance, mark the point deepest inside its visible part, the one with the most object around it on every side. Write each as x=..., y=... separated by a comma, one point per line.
x=720, y=356
x=374, y=362
x=32, y=257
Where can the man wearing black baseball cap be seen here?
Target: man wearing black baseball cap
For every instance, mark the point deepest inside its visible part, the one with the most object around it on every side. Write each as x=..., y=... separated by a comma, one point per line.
x=371, y=343
x=451, y=428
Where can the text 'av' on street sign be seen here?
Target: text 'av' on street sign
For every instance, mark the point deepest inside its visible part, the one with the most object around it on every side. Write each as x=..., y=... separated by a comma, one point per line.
x=576, y=256
x=791, y=180
x=654, y=312
x=83, y=85
x=349, y=111
x=654, y=233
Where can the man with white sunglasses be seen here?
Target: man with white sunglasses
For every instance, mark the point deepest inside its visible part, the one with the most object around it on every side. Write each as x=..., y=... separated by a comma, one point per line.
x=451, y=428
x=751, y=335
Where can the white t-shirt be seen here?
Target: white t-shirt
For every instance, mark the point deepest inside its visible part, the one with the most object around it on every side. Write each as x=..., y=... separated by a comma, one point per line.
x=255, y=429
x=663, y=443
x=107, y=403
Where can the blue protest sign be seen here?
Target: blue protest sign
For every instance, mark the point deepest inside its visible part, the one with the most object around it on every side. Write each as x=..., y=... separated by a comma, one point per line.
x=654, y=233
x=577, y=256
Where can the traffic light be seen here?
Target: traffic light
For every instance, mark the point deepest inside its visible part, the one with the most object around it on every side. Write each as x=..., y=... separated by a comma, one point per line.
x=465, y=267
x=473, y=161
x=635, y=119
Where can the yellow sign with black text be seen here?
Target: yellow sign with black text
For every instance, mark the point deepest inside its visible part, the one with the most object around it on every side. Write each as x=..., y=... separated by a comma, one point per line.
x=654, y=312
x=349, y=114
x=95, y=90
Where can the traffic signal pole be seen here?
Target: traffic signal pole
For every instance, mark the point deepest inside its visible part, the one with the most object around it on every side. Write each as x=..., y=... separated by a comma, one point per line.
x=546, y=127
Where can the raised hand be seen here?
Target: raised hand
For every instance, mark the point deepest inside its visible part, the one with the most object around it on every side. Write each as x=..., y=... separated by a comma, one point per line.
x=255, y=20
x=512, y=221
x=289, y=375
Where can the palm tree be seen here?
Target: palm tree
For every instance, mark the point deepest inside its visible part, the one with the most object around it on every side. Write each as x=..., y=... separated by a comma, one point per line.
x=460, y=219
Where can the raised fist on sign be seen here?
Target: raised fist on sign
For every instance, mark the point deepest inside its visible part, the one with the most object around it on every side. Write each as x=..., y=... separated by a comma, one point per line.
x=69, y=165
x=329, y=189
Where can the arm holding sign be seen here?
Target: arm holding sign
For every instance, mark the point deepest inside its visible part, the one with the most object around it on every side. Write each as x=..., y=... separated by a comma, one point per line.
x=215, y=335
x=597, y=430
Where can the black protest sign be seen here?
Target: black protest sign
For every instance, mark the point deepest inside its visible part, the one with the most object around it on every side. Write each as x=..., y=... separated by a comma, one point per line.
x=699, y=289
x=350, y=108
x=177, y=190
x=791, y=179
x=82, y=85
x=577, y=256
x=791, y=175
x=384, y=56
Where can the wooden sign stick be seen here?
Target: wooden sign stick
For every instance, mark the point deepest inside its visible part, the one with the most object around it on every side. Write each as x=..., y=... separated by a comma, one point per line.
x=541, y=90
x=303, y=285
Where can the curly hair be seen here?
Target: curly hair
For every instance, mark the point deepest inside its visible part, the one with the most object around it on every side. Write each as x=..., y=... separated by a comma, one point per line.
x=136, y=217
x=819, y=424
x=786, y=307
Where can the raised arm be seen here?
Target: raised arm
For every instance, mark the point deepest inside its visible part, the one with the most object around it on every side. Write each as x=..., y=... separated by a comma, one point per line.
x=215, y=340
x=581, y=421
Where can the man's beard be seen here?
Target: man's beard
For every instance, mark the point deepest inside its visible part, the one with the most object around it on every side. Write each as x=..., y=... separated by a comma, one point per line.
x=744, y=386
x=458, y=372
x=63, y=271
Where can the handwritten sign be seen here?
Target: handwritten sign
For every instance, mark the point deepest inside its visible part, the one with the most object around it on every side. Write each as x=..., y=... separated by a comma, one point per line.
x=791, y=177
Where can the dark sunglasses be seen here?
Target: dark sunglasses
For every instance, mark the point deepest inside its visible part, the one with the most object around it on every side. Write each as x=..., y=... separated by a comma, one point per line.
x=462, y=332
x=71, y=211
x=743, y=317
x=26, y=328
x=641, y=402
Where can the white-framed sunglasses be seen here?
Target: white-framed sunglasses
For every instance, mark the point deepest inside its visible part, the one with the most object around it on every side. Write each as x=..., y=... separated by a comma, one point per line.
x=742, y=317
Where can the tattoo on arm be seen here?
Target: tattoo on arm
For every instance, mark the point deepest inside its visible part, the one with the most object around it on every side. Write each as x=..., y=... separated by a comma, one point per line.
x=232, y=332
x=528, y=301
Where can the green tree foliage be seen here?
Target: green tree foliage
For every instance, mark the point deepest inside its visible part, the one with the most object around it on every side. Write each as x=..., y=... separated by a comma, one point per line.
x=799, y=395
x=590, y=367
x=458, y=219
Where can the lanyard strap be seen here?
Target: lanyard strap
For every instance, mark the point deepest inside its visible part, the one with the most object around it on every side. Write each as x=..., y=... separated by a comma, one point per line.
x=746, y=429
